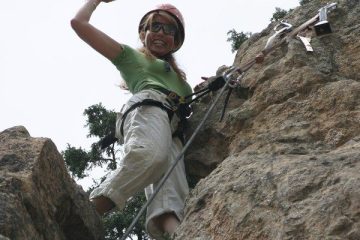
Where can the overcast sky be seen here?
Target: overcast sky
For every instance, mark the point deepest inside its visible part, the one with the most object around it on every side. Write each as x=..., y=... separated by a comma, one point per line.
x=49, y=76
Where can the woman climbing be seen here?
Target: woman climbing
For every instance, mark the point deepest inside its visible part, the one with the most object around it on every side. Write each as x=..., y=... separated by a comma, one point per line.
x=150, y=145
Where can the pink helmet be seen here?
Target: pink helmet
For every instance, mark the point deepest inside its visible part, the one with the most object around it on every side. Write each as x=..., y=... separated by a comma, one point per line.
x=175, y=13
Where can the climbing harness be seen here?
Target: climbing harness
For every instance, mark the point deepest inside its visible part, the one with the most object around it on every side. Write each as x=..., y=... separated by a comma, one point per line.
x=224, y=82
x=175, y=105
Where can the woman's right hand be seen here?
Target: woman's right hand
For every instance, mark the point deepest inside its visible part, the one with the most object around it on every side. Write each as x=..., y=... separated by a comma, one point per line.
x=97, y=39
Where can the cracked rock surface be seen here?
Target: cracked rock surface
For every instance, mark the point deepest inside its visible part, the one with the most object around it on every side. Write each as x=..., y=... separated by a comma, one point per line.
x=285, y=161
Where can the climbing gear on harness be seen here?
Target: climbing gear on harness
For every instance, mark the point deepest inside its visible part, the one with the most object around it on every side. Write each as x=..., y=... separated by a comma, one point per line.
x=176, y=105
x=145, y=102
x=175, y=13
x=225, y=80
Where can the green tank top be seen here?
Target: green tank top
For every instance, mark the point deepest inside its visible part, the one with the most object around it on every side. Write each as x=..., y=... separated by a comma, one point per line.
x=140, y=73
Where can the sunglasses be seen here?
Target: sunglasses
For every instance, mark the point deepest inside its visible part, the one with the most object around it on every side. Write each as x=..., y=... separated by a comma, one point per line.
x=168, y=29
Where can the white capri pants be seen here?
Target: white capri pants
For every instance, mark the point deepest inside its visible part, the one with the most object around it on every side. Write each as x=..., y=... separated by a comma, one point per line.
x=149, y=151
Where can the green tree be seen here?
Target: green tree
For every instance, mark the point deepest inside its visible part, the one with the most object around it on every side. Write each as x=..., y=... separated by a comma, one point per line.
x=237, y=39
x=77, y=160
x=116, y=223
x=302, y=2
x=278, y=14
x=101, y=123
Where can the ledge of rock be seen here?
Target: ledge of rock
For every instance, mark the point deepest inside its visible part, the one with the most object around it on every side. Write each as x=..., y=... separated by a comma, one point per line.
x=38, y=198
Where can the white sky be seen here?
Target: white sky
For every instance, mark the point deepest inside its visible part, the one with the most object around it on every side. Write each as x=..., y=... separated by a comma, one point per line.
x=48, y=76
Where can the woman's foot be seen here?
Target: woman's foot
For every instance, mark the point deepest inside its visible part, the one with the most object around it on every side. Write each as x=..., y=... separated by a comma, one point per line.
x=168, y=222
x=103, y=204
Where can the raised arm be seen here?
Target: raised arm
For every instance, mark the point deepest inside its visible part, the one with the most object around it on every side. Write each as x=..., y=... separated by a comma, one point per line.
x=98, y=40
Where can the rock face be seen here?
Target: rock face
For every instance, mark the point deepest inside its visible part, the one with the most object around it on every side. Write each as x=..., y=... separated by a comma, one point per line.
x=285, y=162
x=38, y=198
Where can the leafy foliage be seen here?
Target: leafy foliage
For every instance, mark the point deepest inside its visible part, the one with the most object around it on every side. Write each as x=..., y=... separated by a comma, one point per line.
x=99, y=120
x=116, y=223
x=101, y=123
x=302, y=2
x=237, y=39
x=77, y=160
x=279, y=14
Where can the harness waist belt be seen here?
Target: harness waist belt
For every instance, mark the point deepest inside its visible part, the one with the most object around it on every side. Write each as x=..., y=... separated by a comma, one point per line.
x=146, y=102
